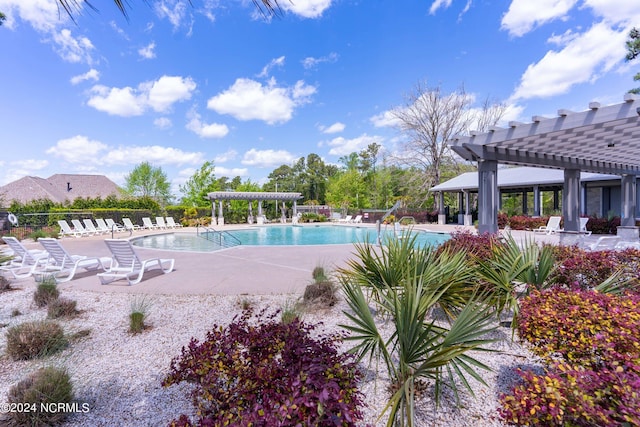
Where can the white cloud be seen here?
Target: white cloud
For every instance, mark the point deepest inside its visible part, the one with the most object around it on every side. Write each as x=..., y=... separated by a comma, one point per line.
x=173, y=10
x=72, y=49
x=204, y=130
x=42, y=15
x=249, y=100
x=341, y=146
x=225, y=157
x=437, y=4
x=311, y=62
x=306, y=8
x=159, y=95
x=279, y=62
x=147, y=52
x=162, y=123
x=92, y=74
x=581, y=60
x=267, y=158
x=337, y=127
x=384, y=119
x=616, y=11
x=524, y=15
x=153, y=153
x=21, y=168
x=231, y=172
x=78, y=150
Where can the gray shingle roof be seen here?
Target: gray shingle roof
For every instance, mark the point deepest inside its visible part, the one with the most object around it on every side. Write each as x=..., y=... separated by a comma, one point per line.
x=58, y=188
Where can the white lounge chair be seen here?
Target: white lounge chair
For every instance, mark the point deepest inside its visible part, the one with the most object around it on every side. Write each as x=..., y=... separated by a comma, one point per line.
x=66, y=230
x=148, y=224
x=25, y=260
x=552, y=226
x=62, y=265
x=127, y=264
x=102, y=226
x=90, y=227
x=604, y=243
x=357, y=219
x=171, y=223
x=113, y=226
x=160, y=222
x=130, y=225
x=583, y=226
x=77, y=225
x=346, y=219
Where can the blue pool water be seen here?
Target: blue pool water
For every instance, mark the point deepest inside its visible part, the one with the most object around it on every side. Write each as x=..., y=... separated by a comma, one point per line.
x=280, y=236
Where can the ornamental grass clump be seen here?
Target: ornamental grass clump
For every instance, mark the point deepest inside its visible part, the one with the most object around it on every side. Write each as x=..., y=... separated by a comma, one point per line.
x=322, y=292
x=35, y=339
x=44, y=389
x=591, y=345
x=46, y=292
x=62, y=307
x=260, y=371
x=140, y=306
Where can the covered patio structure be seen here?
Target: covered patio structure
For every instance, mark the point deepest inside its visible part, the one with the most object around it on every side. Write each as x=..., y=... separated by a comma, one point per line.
x=250, y=196
x=603, y=140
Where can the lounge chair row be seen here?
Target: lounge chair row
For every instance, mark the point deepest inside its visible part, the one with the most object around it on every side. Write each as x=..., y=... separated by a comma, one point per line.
x=350, y=219
x=55, y=261
x=104, y=226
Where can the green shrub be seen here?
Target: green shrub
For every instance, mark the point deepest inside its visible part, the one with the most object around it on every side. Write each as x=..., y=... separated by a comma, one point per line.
x=35, y=339
x=312, y=217
x=46, y=292
x=62, y=307
x=36, y=234
x=321, y=293
x=45, y=386
x=259, y=371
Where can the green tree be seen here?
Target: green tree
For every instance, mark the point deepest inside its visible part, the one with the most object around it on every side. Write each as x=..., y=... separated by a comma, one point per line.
x=347, y=190
x=633, y=50
x=146, y=180
x=2, y=18
x=201, y=183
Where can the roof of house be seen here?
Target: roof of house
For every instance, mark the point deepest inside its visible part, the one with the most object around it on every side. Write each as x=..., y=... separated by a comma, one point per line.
x=518, y=177
x=58, y=188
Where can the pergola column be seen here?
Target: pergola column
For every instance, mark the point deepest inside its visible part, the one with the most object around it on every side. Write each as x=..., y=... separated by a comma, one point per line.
x=468, y=220
x=525, y=207
x=487, y=196
x=442, y=218
x=213, y=212
x=460, y=208
x=536, y=200
x=627, y=229
x=250, y=217
x=220, y=213
x=571, y=200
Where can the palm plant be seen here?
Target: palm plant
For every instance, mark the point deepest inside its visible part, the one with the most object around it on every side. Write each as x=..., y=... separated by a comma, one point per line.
x=419, y=348
x=512, y=270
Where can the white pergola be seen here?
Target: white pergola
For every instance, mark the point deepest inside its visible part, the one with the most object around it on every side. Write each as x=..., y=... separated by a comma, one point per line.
x=250, y=196
x=600, y=140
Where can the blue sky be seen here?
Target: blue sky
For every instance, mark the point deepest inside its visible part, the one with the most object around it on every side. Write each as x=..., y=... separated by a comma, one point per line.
x=179, y=84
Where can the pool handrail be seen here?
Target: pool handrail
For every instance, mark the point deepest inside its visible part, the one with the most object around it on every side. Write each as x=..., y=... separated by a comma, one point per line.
x=234, y=241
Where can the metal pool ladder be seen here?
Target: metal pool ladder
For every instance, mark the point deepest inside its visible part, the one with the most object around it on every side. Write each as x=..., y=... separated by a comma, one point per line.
x=224, y=239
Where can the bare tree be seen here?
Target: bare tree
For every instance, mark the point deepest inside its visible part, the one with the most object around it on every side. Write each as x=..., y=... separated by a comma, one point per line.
x=430, y=119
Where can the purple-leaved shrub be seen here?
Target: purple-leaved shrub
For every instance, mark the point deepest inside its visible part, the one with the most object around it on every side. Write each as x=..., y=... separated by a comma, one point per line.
x=258, y=371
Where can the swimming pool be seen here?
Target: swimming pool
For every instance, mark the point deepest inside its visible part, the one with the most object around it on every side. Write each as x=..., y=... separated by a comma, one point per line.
x=285, y=235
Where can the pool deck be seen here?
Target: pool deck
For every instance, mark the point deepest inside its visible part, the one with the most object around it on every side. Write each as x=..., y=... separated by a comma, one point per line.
x=241, y=270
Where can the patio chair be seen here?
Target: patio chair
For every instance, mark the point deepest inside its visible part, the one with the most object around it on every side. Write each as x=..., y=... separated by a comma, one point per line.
x=77, y=225
x=148, y=224
x=62, y=265
x=66, y=230
x=160, y=222
x=604, y=243
x=127, y=264
x=25, y=260
x=357, y=219
x=552, y=226
x=114, y=226
x=128, y=225
x=171, y=223
x=346, y=219
x=90, y=227
x=583, y=226
x=102, y=226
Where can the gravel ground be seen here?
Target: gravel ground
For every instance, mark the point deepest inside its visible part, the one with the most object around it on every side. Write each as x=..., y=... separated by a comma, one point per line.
x=118, y=374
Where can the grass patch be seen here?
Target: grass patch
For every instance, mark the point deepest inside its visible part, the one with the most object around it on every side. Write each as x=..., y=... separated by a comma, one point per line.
x=32, y=340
